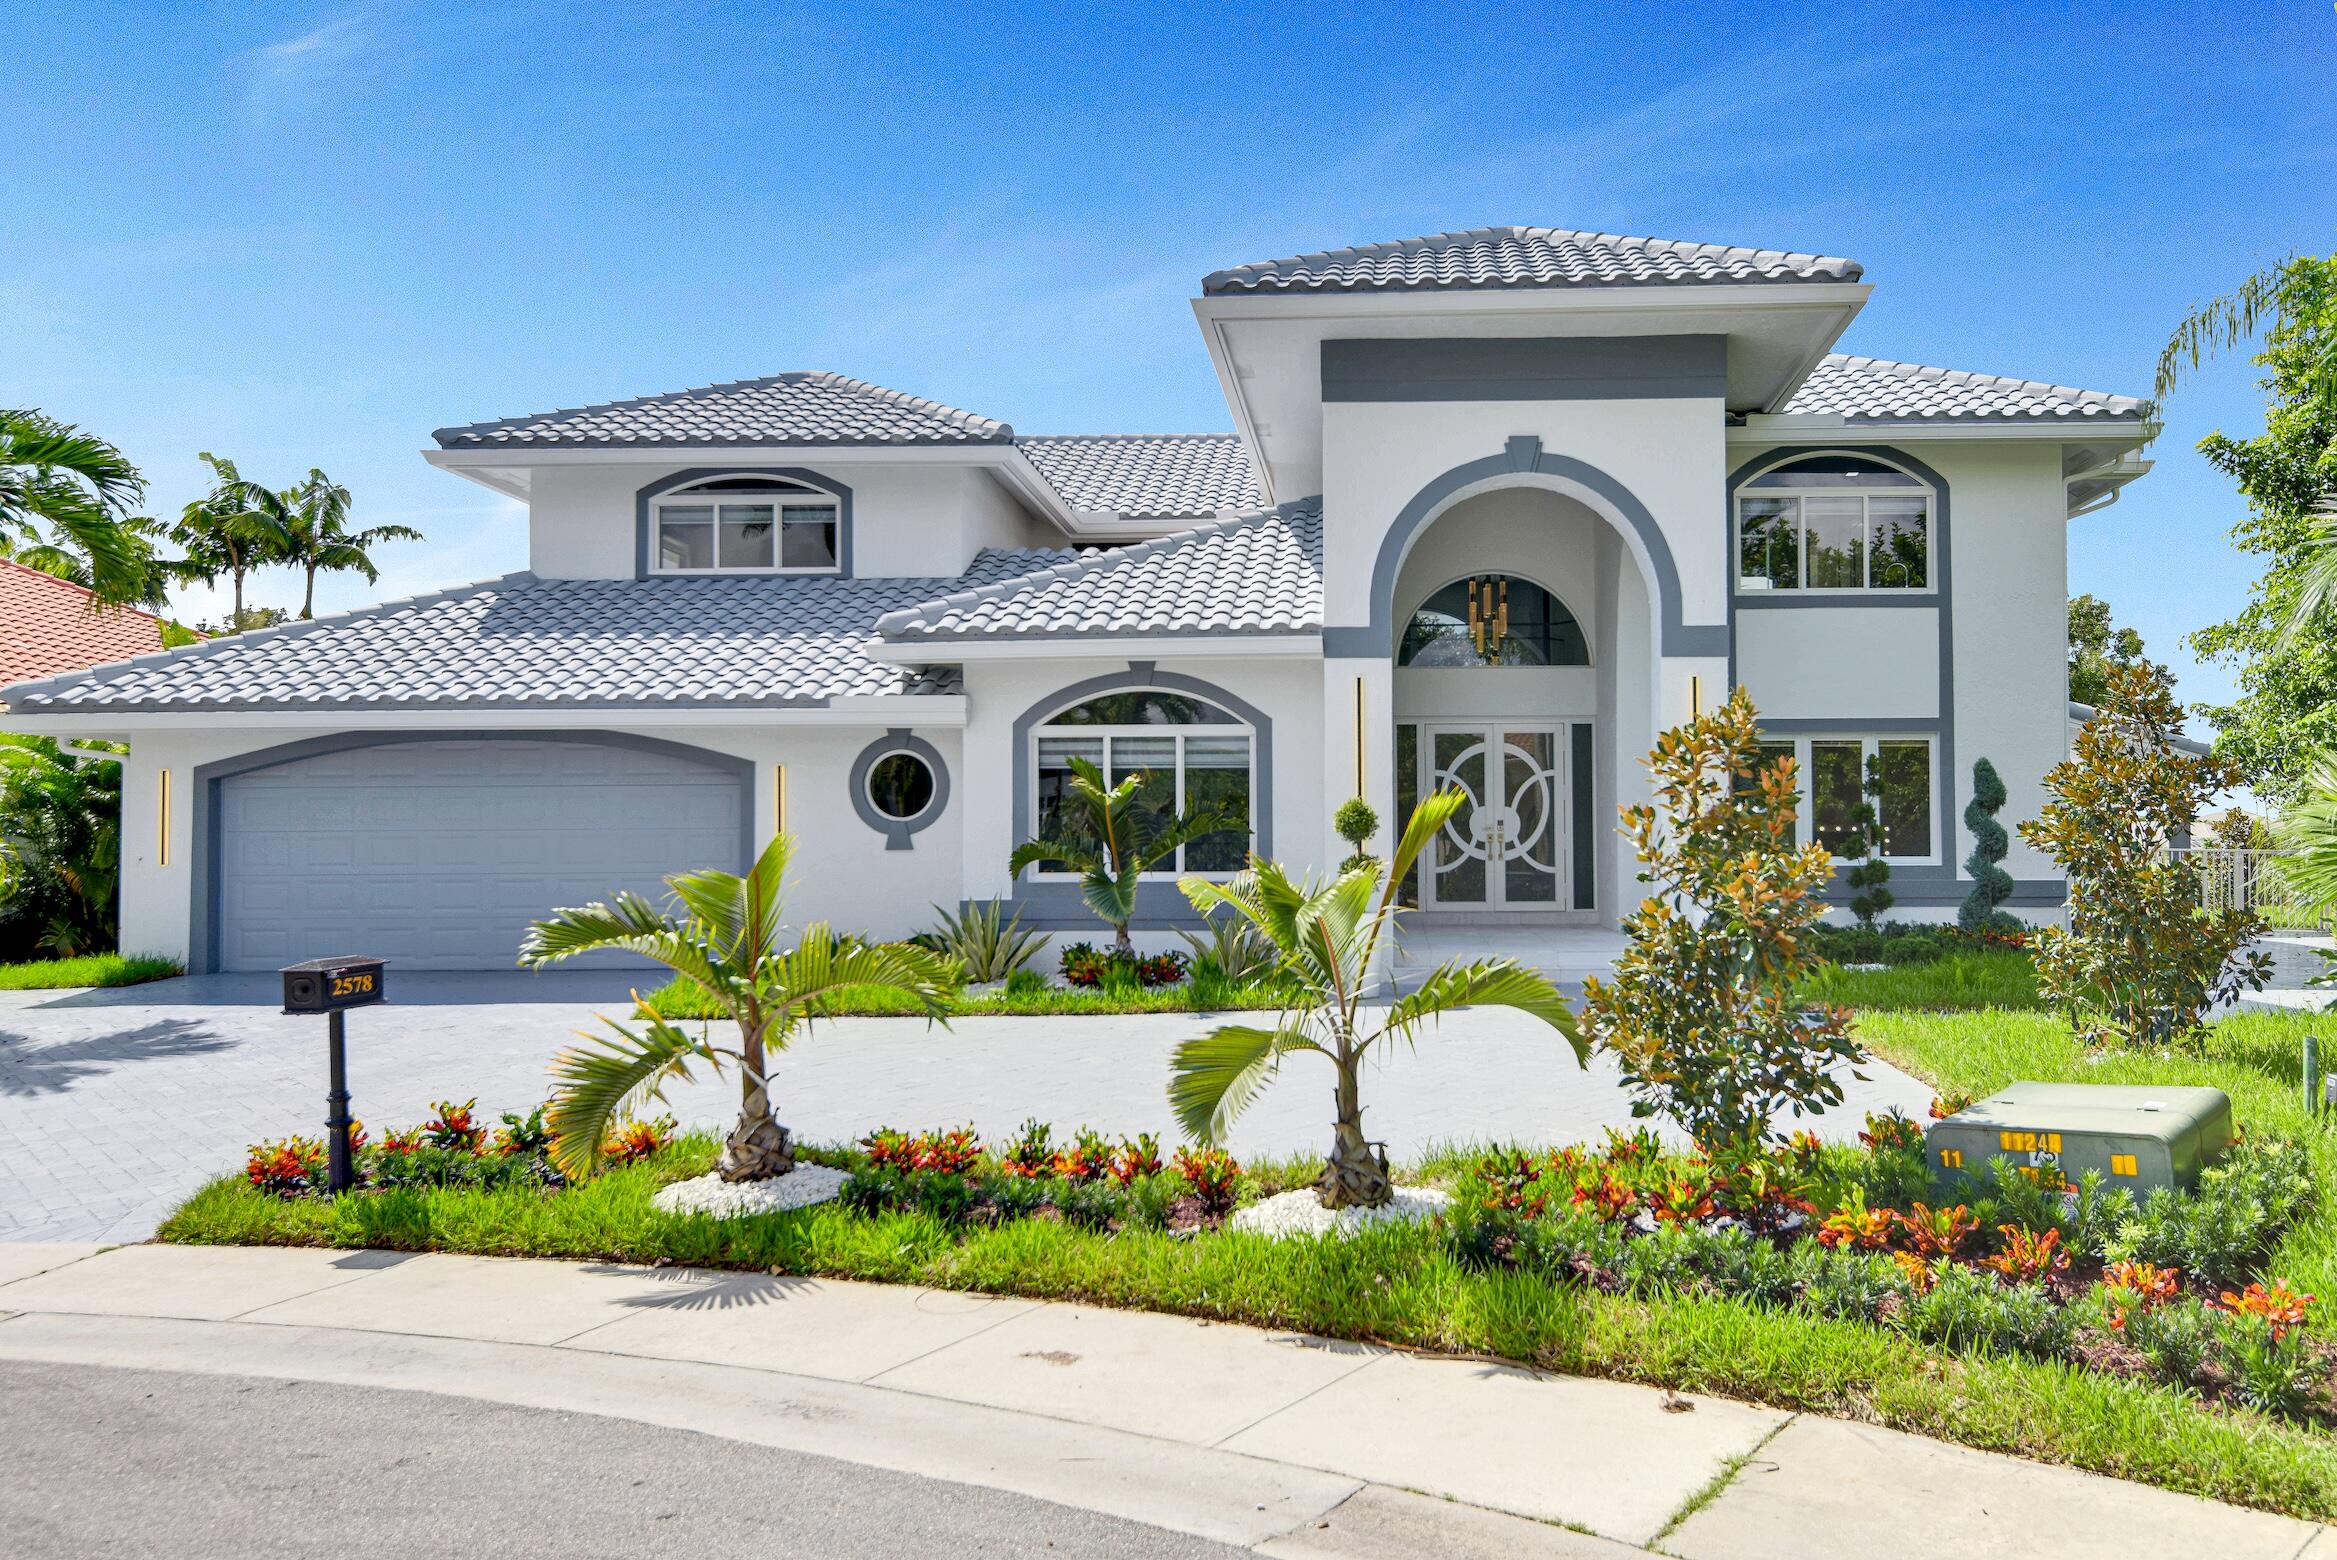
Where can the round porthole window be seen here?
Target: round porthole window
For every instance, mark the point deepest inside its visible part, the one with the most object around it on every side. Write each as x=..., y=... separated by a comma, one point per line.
x=900, y=786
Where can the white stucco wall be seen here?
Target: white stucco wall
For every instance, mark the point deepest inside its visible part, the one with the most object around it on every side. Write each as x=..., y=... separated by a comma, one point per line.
x=910, y=521
x=842, y=872
x=2007, y=609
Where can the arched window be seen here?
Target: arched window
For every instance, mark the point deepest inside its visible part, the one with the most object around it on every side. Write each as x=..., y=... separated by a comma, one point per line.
x=1188, y=754
x=745, y=525
x=1834, y=522
x=1493, y=620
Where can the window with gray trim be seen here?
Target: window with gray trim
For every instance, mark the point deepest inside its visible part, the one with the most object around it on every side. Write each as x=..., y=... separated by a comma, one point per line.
x=1183, y=751
x=1830, y=774
x=745, y=525
x=1834, y=523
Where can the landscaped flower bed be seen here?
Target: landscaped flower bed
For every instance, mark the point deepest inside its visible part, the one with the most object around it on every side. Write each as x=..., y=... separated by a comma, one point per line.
x=452, y=1148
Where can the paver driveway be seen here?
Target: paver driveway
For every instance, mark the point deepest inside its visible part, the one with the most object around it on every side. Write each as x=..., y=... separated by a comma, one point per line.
x=114, y=1105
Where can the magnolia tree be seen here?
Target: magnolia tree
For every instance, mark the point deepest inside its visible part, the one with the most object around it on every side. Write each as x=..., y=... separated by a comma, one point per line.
x=1700, y=1014
x=2141, y=961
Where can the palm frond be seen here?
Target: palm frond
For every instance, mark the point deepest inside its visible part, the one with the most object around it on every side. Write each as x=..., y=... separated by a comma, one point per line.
x=1487, y=983
x=594, y=1082
x=2308, y=832
x=823, y=968
x=1077, y=854
x=1213, y=1077
x=1111, y=895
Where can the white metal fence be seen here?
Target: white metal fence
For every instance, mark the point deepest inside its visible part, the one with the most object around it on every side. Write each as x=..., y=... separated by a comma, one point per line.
x=2252, y=880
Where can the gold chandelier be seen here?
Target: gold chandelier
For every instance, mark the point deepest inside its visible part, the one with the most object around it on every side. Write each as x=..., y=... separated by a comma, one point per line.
x=1489, y=616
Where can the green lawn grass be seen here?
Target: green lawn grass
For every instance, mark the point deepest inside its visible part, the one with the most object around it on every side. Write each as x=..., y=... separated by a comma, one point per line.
x=96, y=969
x=1401, y=1286
x=1980, y=978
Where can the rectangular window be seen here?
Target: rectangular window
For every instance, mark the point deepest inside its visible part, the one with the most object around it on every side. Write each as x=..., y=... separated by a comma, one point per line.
x=1833, y=774
x=1175, y=773
x=1834, y=541
x=759, y=537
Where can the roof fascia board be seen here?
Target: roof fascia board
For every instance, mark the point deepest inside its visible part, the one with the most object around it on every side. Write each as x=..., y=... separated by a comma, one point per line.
x=1067, y=647
x=1696, y=299
x=922, y=710
x=1779, y=429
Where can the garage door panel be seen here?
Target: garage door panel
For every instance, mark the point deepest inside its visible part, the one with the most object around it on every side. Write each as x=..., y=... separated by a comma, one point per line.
x=439, y=855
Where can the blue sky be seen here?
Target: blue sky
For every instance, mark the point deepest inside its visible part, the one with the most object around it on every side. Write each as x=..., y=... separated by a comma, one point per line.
x=306, y=235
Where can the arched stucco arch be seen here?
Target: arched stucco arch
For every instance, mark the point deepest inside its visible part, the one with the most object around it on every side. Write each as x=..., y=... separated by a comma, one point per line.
x=1524, y=463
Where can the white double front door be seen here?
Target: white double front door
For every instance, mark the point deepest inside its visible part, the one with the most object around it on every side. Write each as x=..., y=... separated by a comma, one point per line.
x=1510, y=847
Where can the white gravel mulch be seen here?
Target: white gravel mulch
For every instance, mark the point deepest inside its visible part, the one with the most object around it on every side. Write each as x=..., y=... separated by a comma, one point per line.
x=799, y=1188
x=1300, y=1213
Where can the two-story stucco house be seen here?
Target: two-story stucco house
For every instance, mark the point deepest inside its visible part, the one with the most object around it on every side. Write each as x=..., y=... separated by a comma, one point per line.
x=1500, y=505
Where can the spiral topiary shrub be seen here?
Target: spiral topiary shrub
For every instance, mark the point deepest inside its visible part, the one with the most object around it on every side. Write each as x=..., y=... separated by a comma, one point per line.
x=1991, y=884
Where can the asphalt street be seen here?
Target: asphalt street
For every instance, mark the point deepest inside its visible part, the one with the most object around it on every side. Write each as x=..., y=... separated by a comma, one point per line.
x=107, y=1462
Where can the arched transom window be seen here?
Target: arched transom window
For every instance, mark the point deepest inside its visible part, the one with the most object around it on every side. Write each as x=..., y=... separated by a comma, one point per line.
x=1834, y=522
x=1188, y=754
x=745, y=525
x=1493, y=620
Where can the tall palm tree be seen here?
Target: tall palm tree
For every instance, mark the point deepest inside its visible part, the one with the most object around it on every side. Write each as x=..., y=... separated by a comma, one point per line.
x=722, y=934
x=1328, y=938
x=1111, y=838
x=314, y=518
x=224, y=534
x=65, y=508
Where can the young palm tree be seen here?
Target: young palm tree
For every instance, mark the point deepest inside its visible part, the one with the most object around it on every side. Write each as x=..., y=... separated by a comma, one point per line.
x=222, y=534
x=314, y=520
x=1111, y=839
x=1328, y=938
x=722, y=933
x=65, y=502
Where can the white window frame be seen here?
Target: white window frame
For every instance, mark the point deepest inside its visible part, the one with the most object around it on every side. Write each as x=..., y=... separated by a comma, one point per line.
x=1746, y=492
x=1038, y=872
x=778, y=502
x=868, y=784
x=1870, y=746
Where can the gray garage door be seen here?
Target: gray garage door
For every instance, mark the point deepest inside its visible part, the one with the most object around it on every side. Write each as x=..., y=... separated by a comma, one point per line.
x=438, y=854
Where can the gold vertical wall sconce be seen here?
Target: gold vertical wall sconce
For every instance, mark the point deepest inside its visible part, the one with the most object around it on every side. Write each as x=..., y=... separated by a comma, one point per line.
x=1695, y=698
x=162, y=823
x=1358, y=736
x=779, y=798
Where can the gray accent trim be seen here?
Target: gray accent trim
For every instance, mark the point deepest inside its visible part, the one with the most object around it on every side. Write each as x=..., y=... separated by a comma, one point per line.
x=1168, y=907
x=683, y=478
x=1057, y=907
x=897, y=831
x=203, y=847
x=1583, y=775
x=1846, y=727
x=1771, y=600
x=1940, y=597
x=1524, y=455
x=1525, y=368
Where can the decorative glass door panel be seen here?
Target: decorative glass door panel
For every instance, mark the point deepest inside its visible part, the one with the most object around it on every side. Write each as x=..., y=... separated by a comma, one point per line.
x=1457, y=874
x=1509, y=846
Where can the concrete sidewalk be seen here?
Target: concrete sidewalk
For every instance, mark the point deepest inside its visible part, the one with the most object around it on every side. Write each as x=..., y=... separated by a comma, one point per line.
x=1287, y=1444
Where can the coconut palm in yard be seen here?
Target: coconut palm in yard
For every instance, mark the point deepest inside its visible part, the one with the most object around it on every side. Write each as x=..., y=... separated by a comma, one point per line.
x=1111, y=836
x=722, y=933
x=309, y=528
x=65, y=509
x=1328, y=938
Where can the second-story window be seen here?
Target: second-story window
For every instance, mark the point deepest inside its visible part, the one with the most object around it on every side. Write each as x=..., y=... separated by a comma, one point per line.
x=746, y=525
x=1834, y=522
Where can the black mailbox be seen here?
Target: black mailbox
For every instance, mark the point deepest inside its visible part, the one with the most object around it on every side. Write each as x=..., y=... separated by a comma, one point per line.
x=332, y=985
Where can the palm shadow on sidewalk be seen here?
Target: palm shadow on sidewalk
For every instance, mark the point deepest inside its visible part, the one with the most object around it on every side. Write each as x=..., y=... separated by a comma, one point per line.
x=31, y=1067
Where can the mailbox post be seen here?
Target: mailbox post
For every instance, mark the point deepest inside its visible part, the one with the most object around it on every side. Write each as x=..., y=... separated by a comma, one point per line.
x=332, y=987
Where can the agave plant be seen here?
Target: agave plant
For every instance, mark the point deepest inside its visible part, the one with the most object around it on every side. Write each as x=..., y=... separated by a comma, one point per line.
x=1239, y=950
x=1328, y=938
x=985, y=942
x=1111, y=839
x=721, y=933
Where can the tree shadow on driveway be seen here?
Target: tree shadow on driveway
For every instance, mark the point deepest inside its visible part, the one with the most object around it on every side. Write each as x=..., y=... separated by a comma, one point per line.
x=30, y=1067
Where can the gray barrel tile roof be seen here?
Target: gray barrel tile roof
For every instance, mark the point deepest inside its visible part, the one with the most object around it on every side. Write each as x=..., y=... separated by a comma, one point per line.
x=1145, y=476
x=1258, y=574
x=809, y=407
x=1866, y=389
x=1527, y=257
x=526, y=642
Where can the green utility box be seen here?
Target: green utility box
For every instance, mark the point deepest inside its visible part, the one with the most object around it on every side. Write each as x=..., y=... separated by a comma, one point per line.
x=2139, y=1138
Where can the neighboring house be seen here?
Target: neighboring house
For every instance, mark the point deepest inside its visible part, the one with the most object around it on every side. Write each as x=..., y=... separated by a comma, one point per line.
x=49, y=625
x=1502, y=505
